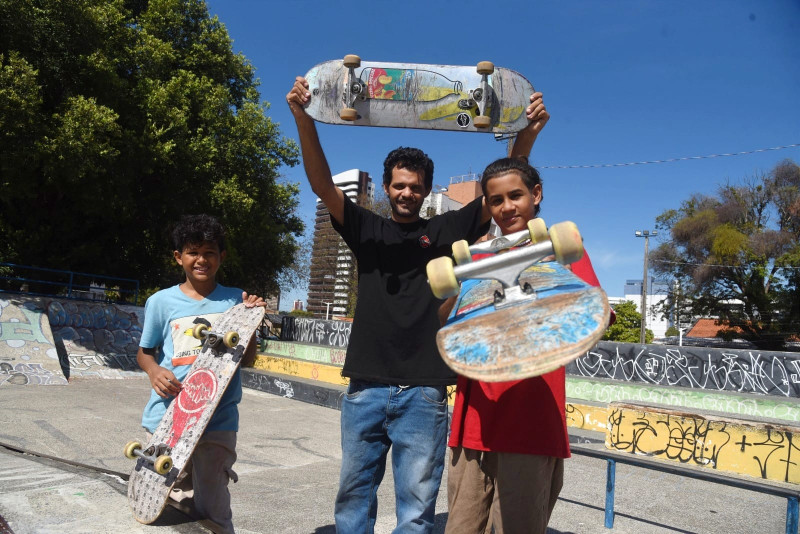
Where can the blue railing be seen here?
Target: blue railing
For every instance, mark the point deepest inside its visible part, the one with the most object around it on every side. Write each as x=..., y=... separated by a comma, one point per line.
x=790, y=494
x=66, y=284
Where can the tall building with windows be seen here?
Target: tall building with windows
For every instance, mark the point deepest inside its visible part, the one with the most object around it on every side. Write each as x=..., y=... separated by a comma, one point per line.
x=331, y=259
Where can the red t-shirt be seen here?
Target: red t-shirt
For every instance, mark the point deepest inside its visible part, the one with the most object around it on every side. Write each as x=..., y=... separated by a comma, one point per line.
x=523, y=416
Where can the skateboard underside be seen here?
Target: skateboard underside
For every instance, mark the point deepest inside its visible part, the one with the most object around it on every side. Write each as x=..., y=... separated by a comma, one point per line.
x=188, y=415
x=529, y=337
x=408, y=95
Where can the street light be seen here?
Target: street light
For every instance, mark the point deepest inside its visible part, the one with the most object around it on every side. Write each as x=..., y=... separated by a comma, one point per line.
x=327, y=309
x=646, y=235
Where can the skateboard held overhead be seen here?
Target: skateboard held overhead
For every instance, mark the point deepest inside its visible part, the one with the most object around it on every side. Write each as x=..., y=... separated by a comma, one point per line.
x=518, y=313
x=161, y=461
x=477, y=98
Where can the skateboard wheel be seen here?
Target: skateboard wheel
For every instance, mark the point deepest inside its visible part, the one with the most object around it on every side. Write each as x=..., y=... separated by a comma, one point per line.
x=485, y=67
x=538, y=230
x=567, y=242
x=482, y=121
x=130, y=447
x=348, y=114
x=231, y=339
x=199, y=331
x=461, y=252
x=163, y=465
x=442, y=278
x=352, y=61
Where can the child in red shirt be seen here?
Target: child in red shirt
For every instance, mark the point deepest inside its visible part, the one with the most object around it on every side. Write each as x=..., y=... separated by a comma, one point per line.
x=509, y=439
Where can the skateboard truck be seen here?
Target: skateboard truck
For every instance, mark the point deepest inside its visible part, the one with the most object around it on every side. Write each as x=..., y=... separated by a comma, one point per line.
x=506, y=265
x=157, y=456
x=353, y=88
x=229, y=339
x=482, y=95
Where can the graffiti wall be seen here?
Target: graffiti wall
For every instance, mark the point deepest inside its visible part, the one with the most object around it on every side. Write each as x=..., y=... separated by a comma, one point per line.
x=743, y=406
x=318, y=331
x=28, y=354
x=99, y=339
x=310, y=353
x=68, y=337
x=741, y=371
x=757, y=450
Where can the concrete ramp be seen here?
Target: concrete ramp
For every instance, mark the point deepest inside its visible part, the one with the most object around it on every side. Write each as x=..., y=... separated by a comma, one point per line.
x=28, y=354
x=46, y=340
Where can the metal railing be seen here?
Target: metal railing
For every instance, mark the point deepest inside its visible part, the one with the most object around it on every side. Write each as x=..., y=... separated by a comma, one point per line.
x=41, y=281
x=790, y=494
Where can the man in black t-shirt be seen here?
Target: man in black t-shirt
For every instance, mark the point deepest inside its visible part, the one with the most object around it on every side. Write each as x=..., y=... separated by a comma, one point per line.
x=397, y=394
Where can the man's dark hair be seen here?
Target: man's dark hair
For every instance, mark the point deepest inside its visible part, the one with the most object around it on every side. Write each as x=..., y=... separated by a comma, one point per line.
x=530, y=176
x=413, y=159
x=196, y=230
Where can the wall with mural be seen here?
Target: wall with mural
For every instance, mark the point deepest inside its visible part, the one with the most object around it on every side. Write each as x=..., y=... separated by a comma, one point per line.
x=28, y=354
x=319, y=331
x=99, y=339
x=709, y=369
x=46, y=340
x=754, y=449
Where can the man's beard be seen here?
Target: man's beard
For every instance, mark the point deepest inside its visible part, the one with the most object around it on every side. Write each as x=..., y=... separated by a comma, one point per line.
x=396, y=209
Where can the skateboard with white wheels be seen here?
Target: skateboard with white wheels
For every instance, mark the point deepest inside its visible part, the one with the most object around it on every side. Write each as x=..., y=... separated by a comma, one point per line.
x=160, y=462
x=477, y=98
x=518, y=313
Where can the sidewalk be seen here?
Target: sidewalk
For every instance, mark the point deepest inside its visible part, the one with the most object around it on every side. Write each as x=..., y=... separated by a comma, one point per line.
x=288, y=467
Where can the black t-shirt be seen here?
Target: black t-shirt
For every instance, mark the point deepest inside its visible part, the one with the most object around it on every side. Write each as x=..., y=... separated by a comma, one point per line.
x=393, y=339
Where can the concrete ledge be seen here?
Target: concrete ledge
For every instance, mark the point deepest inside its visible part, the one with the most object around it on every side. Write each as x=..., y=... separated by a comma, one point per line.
x=306, y=351
x=746, y=406
x=331, y=374
x=757, y=449
x=292, y=387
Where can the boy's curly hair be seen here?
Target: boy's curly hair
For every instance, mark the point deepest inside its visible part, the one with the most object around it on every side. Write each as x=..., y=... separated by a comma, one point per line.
x=413, y=159
x=196, y=230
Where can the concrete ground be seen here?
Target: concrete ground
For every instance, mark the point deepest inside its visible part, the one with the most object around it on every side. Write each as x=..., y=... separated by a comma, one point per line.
x=288, y=467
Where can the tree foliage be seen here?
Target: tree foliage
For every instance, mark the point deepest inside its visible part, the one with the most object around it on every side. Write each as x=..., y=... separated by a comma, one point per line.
x=627, y=327
x=735, y=255
x=118, y=117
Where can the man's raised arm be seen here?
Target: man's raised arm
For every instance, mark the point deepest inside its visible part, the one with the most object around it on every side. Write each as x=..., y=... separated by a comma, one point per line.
x=537, y=116
x=523, y=143
x=316, y=165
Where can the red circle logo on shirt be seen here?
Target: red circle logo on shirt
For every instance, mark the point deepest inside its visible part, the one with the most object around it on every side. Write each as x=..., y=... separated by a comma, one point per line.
x=424, y=241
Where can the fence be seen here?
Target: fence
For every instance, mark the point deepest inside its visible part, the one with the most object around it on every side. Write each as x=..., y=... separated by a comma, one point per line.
x=66, y=284
x=791, y=495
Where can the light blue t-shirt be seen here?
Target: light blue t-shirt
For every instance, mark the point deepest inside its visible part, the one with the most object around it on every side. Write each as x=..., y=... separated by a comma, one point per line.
x=169, y=316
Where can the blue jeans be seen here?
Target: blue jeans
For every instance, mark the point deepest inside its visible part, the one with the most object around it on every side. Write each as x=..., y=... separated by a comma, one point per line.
x=413, y=421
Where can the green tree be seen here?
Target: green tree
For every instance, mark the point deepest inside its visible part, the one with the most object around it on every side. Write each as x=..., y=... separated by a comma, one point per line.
x=627, y=327
x=118, y=117
x=735, y=255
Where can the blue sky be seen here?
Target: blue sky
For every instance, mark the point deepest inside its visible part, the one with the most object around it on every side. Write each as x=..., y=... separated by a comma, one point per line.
x=624, y=81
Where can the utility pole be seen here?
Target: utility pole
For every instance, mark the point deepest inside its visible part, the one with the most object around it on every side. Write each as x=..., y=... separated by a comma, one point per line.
x=646, y=235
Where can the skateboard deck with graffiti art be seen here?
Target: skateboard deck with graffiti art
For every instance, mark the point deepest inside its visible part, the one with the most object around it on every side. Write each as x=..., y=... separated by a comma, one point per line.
x=162, y=460
x=481, y=98
x=517, y=315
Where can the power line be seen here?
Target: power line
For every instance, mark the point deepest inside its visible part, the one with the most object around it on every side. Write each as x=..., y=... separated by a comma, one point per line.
x=671, y=160
x=711, y=264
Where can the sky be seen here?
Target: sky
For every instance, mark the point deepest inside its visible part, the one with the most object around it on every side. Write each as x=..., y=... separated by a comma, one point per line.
x=624, y=82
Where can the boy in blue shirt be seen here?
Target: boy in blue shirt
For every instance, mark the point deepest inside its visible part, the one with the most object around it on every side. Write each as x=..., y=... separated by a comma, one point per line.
x=167, y=350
